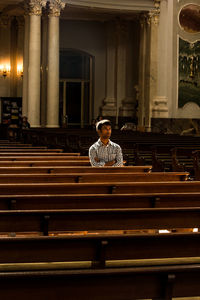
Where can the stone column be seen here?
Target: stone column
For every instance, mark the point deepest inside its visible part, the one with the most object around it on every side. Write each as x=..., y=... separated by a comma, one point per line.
x=55, y=6
x=160, y=103
x=25, y=67
x=20, y=50
x=44, y=62
x=148, y=67
x=128, y=104
x=121, y=32
x=142, y=70
x=109, y=106
x=35, y=11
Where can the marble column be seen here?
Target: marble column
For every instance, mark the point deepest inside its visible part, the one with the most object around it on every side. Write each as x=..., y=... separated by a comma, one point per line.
x=160, y=103
x=148, y=68
x=25, y=66
x=44, y=62
x=19, y=51
x=55, y=7
x=109, y=106
x=142, y=71
x=129, y=102
x=35, y=11
x=121, y=31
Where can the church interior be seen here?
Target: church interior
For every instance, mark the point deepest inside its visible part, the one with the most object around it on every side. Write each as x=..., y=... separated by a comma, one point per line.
x=99, y=149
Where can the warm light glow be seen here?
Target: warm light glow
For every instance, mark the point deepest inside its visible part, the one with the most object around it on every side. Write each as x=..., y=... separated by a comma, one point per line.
x=195, y=229
x=5, y=69
x=163, y=231
x=20, y=70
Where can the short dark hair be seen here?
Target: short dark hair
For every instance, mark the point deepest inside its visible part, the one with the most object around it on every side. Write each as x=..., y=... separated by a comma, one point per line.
x=100, y=124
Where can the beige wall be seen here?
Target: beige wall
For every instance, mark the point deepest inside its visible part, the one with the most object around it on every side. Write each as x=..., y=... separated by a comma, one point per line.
x=11, y=86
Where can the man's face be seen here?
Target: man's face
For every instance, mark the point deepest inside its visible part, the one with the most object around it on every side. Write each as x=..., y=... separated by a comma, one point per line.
x=105, y=131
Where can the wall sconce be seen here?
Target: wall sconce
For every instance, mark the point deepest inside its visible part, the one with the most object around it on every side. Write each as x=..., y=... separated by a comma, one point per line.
x=5, y=70
x=20, y=70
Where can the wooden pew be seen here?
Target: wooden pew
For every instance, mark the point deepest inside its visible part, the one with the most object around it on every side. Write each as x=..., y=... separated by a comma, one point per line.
x=21, y=146
x=30, y=150
x=43, y=158
x=97, y=220
x=161, y=282
x=47, y=163
x=99, y=250
x=93, y=177
x=73, y=169
x=96, y=201
x=47, y=153
x=99, y=188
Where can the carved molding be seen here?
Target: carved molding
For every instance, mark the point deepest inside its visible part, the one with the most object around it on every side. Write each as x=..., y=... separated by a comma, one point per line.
x=55, y=7
x=34, y=7
x=154, y=14
x=5, y=21
x=125, y=5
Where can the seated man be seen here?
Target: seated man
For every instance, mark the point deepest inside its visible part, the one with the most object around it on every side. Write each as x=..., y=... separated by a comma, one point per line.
x=104, y=152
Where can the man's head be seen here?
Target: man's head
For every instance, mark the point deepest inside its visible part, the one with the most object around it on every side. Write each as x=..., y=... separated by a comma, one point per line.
x=104, y=129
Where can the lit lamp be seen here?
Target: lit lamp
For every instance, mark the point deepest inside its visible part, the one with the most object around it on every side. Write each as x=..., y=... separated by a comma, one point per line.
x=5, y=70
x=20, y=70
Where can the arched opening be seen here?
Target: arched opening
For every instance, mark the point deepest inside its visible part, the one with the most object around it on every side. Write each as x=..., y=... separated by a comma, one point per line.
x=76, y=88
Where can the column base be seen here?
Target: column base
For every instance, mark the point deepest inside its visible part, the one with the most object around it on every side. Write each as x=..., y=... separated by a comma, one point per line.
x=52, y=126
x=159, y=108
x=35, y=126
x=109, y=107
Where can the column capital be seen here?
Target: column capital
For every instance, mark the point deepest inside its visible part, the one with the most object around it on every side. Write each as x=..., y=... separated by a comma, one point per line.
x=55, y=7
x=34, y=7
x=153, y=15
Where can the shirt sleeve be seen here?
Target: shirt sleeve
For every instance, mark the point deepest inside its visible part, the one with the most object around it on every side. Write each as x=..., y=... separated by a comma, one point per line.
x=119, y=158
x=92, y=156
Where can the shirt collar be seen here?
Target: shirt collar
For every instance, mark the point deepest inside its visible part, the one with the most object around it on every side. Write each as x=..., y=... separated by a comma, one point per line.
x=101, y=144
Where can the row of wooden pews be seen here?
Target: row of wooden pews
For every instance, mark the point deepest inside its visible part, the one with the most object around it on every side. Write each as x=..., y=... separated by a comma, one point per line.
x=70, y=231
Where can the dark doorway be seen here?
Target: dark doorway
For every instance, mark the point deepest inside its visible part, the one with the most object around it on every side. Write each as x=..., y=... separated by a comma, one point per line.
x=76, y=78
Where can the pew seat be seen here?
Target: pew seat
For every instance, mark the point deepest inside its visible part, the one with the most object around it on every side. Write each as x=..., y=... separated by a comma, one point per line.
x=160, y=282
x=93, y=177
x=99, y=188
x=96, y=201
x=44, y=153
x=50, y=163
x=97, y=220
x=99, y=250
x=43, y=158
x=73, y=169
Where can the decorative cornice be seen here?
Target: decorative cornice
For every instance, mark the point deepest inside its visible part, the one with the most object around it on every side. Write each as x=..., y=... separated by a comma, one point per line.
x=125, y=5
x=153, y=15
x=55, y=7
x=5, y=21
x=34, y=7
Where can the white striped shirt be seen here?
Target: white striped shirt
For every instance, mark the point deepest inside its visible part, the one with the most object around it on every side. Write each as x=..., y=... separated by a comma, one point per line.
x=105, y=153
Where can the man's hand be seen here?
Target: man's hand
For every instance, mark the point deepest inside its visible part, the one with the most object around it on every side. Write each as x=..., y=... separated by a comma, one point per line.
x=110, y=163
